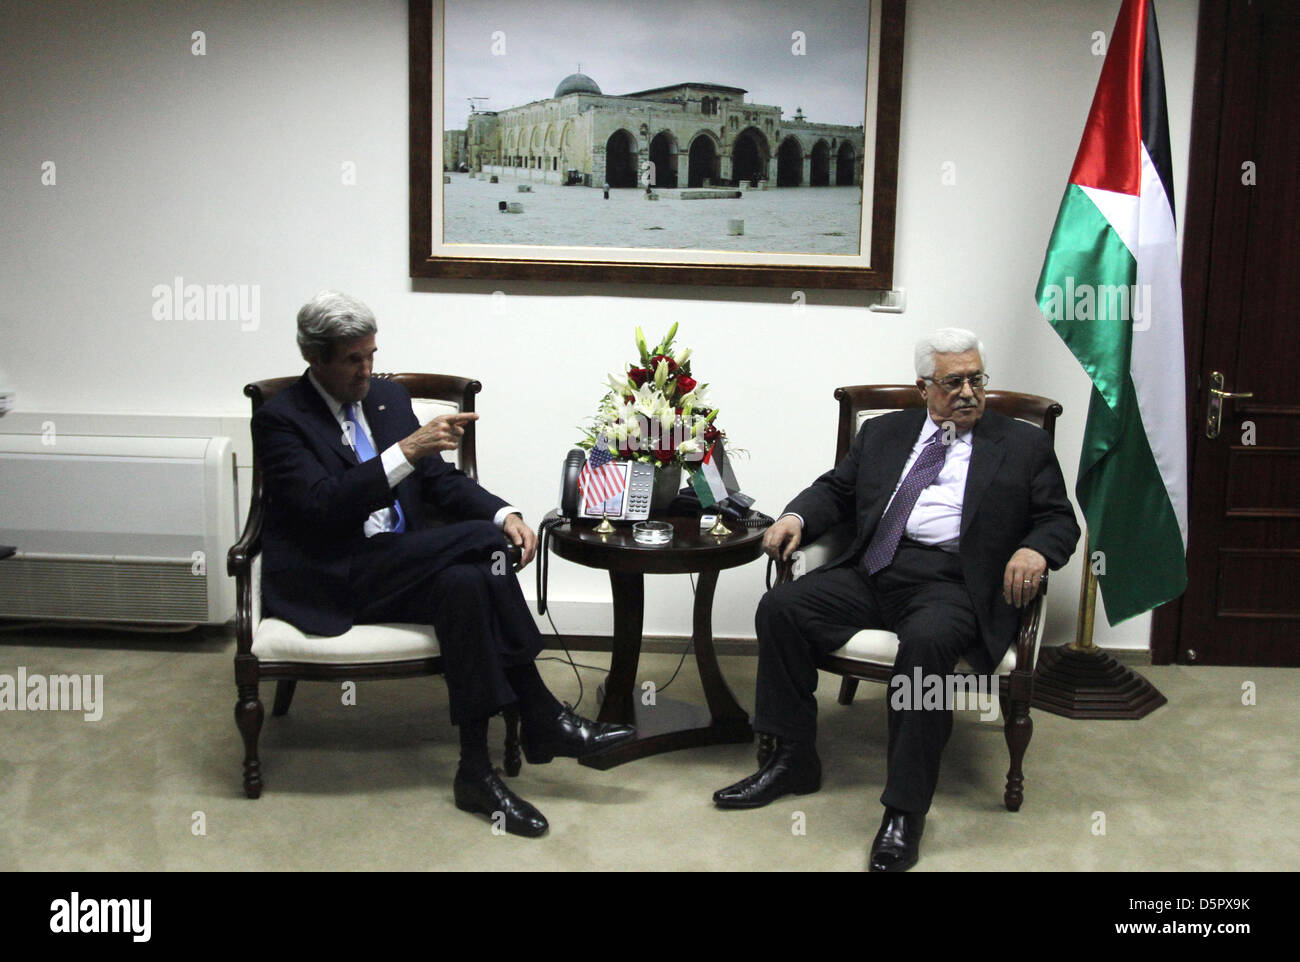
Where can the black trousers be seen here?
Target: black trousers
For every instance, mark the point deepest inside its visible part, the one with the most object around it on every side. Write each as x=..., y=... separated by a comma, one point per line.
x=458, y=579
x=922, y=598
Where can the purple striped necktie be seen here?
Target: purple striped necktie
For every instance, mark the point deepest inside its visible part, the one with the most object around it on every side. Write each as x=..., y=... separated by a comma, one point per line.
x=889, y=532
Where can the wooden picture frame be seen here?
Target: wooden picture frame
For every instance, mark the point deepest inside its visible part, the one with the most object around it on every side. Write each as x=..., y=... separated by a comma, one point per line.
x=871, y=268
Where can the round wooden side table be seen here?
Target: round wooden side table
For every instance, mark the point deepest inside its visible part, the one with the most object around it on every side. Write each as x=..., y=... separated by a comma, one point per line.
x=666, y=725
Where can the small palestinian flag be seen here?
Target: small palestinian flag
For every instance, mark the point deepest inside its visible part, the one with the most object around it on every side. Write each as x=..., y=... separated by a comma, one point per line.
x=711, y=477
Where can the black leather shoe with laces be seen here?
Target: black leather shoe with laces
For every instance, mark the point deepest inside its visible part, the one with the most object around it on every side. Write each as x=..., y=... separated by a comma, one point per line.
x=488, y=794
x=572, y=736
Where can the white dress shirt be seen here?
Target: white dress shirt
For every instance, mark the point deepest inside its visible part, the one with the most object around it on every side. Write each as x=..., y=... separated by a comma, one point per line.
x=396, y=468
x=936, y=517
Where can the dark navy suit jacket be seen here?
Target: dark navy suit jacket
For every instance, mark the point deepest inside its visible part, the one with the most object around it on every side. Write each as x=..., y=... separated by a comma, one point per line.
x=1015, y=497
x=319, y=497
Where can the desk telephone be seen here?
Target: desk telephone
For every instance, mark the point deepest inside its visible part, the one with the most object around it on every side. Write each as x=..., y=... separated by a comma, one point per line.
x=632, y=504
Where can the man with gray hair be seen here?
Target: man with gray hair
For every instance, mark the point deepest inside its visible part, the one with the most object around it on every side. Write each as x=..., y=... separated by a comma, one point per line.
x=346, y=540
x=959, y=512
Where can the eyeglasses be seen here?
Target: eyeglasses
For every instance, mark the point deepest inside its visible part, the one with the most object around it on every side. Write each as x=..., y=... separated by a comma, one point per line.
x=953, y=382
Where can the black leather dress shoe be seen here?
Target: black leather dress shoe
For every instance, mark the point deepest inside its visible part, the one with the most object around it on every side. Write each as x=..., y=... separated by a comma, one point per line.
x=897, y=845
x=487, y=795
x=573, y=736
x=793, y=768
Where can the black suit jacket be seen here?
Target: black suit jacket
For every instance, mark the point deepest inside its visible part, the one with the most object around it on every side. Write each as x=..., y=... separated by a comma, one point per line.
x=1015, y=497
x=319, y=497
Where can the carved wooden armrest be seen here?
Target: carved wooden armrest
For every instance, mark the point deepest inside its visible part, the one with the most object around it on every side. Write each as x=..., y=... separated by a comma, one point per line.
x=1022, y=678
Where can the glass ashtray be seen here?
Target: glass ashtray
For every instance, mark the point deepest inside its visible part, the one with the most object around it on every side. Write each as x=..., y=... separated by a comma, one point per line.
x=652, y=532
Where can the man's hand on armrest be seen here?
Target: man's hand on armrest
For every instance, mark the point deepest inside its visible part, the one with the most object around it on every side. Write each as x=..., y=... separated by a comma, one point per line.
x=1023, y=574
x=443, y=433
x=522, y=536
x=783, y=537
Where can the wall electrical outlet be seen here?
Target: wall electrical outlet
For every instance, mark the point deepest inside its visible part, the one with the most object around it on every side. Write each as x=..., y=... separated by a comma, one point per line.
x=891, y=302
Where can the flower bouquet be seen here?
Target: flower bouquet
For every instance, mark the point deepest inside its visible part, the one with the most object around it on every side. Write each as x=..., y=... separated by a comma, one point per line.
x=655, y=412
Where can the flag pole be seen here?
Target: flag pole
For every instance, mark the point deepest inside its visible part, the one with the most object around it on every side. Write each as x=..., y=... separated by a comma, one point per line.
x=1080, y=680
x=1087, y=602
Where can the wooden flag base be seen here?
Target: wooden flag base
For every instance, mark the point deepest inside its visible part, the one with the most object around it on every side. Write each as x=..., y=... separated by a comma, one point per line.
x=1079, y=680
x=1089, y=683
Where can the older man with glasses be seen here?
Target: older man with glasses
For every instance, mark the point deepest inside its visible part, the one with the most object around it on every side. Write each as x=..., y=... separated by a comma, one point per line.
x=959, y=513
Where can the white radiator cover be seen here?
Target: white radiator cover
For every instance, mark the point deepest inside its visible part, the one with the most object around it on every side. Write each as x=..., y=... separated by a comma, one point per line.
x=124, y=529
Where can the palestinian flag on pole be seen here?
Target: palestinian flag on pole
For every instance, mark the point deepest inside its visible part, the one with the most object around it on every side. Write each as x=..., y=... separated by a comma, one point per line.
x=1110, y=287
x=712, y=479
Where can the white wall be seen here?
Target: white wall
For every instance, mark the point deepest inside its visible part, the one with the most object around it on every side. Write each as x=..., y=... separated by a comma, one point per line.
x=226, y=168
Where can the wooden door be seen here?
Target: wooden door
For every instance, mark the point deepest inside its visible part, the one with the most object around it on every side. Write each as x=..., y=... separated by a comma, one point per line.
x=1241, y=294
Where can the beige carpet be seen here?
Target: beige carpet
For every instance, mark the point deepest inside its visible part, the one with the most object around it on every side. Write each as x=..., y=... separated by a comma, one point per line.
x=1205, y=783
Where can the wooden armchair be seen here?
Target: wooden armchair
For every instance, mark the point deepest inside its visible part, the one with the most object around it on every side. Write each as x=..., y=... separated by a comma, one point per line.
x=869, y=655
x=269, y=649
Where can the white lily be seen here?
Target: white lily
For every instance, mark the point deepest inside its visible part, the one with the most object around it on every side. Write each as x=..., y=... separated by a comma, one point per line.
x=682, y=356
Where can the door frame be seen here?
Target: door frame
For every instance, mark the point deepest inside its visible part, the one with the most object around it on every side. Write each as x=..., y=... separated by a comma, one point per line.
x=1198, y=238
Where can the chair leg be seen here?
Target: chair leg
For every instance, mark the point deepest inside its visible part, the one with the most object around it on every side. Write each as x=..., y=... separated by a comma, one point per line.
x=1018, y=728
x=512, y=761
x=284, y=690
x=848, y=688
x=248, y=716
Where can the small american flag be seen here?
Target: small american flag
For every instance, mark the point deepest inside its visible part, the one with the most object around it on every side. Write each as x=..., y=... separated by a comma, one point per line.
x=602, y=477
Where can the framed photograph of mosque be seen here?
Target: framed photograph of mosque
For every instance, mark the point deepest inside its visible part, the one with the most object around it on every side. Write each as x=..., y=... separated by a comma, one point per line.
x=736, y=142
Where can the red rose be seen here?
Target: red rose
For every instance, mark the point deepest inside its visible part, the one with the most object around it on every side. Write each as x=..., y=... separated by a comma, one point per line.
x=637, y=375
x=665, y=455
x=711, y=434
x=686, y=384
x=672, y=365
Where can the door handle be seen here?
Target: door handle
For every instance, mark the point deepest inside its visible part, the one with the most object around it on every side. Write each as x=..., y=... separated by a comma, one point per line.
x=1214, y=410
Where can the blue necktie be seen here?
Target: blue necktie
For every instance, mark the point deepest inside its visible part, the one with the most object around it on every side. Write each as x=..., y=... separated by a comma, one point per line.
x=884, y=543
x=365, y=451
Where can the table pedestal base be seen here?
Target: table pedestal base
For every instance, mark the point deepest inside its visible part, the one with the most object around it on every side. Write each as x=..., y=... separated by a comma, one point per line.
x=666, y=725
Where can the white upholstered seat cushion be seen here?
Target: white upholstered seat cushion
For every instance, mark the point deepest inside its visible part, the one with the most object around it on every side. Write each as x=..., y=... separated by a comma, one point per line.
x=426, y=409
x=878, y=647
x=276, y=640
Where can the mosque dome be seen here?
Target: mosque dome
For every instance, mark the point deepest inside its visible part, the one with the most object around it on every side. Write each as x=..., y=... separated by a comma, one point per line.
x=577, y=83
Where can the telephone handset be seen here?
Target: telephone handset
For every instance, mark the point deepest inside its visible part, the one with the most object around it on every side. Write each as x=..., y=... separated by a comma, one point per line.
x=569, y=493
x=631, y=503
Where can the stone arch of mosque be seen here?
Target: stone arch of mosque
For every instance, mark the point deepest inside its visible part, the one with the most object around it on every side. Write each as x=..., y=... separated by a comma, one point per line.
x=686, y=135
x=621, y=166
